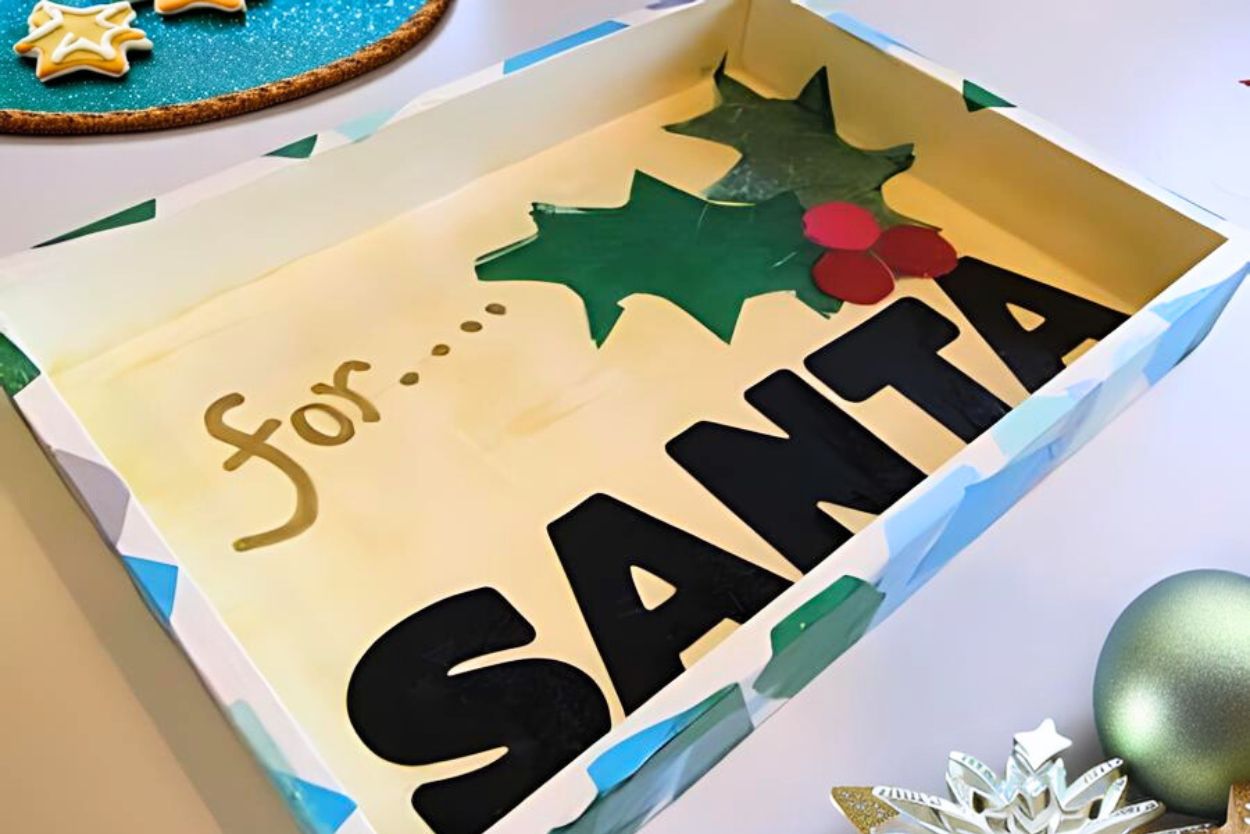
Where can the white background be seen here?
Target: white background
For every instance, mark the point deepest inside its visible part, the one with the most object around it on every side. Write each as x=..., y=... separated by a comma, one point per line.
x=110, y=730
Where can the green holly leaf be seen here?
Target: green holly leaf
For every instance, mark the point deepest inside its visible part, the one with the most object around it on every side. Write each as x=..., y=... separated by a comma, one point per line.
x=706, y=258
x=793, y=145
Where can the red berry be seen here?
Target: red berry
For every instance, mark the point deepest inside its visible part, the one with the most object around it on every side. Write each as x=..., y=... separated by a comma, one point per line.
x=857, y=277
x=841, y=226
x=914, y=251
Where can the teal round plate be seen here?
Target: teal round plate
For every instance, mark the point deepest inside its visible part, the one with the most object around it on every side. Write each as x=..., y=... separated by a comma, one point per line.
x=207, y=64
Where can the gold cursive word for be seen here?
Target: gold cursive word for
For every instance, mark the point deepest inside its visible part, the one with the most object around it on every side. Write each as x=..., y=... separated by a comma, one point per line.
x=255, y=445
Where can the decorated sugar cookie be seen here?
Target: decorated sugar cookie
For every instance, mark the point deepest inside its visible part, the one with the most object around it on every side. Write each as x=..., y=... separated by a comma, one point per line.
x=64, y=39
x=176, y=6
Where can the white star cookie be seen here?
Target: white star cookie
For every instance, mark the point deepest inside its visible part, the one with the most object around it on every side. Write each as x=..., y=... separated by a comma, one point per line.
x=65, y=39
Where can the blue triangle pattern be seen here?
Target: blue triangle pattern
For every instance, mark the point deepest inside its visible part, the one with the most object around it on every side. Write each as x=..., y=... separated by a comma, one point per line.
x=158, y=580
x=366, y=125
x=321, y=810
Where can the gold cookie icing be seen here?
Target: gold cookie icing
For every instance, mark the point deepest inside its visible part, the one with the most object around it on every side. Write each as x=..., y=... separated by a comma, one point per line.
x=176, y=6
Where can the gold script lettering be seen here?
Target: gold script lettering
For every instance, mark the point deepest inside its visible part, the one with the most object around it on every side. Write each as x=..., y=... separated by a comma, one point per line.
x=255, y=445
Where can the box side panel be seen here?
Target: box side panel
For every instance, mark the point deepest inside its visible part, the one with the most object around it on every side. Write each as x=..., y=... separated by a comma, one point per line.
x=317, y=801
x=979, y=155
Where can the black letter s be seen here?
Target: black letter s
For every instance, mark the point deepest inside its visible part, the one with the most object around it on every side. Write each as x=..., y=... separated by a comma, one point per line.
x=407, y=708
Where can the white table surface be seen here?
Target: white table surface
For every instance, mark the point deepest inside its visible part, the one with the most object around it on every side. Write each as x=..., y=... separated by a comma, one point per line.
x=109, y=728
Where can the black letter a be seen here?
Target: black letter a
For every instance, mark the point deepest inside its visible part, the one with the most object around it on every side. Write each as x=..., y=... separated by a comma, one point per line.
x=982, y=292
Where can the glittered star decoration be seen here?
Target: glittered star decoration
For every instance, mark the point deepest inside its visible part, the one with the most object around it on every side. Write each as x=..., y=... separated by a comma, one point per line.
x=176, y=6
x=65, y=39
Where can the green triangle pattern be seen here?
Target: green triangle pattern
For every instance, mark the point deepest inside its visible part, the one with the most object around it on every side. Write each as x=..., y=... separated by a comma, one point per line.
x=16, y=369
x=299, y=149
x=977, y=98
x=126, y=217
x=816, y=634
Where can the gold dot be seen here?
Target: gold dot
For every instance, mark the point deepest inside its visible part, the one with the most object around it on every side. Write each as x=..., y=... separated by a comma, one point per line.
x=470, y=326
x=441, y=350
x=409, y=378
x=496, y=309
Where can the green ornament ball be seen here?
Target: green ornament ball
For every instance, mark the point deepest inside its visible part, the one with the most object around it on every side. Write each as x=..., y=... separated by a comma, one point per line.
x=1172, y=690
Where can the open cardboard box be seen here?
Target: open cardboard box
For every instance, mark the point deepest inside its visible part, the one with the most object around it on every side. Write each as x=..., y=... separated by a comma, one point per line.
x=536, y=579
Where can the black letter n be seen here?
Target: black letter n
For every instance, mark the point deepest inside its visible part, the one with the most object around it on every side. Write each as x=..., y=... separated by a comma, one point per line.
x=598, y=541
x=774, y=484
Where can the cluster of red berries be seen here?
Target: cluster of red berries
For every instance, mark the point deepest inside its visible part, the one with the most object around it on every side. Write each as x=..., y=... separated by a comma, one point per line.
x=863, y=261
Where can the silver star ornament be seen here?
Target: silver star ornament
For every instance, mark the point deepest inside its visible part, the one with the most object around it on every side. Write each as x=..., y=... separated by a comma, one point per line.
x=1033, y=797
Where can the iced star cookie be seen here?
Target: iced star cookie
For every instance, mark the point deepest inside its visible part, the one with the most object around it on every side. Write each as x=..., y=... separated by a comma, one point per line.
x=176, y=6
x=64, y=39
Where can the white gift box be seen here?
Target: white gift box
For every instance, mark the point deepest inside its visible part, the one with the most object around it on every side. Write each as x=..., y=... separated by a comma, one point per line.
x=473, y=471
